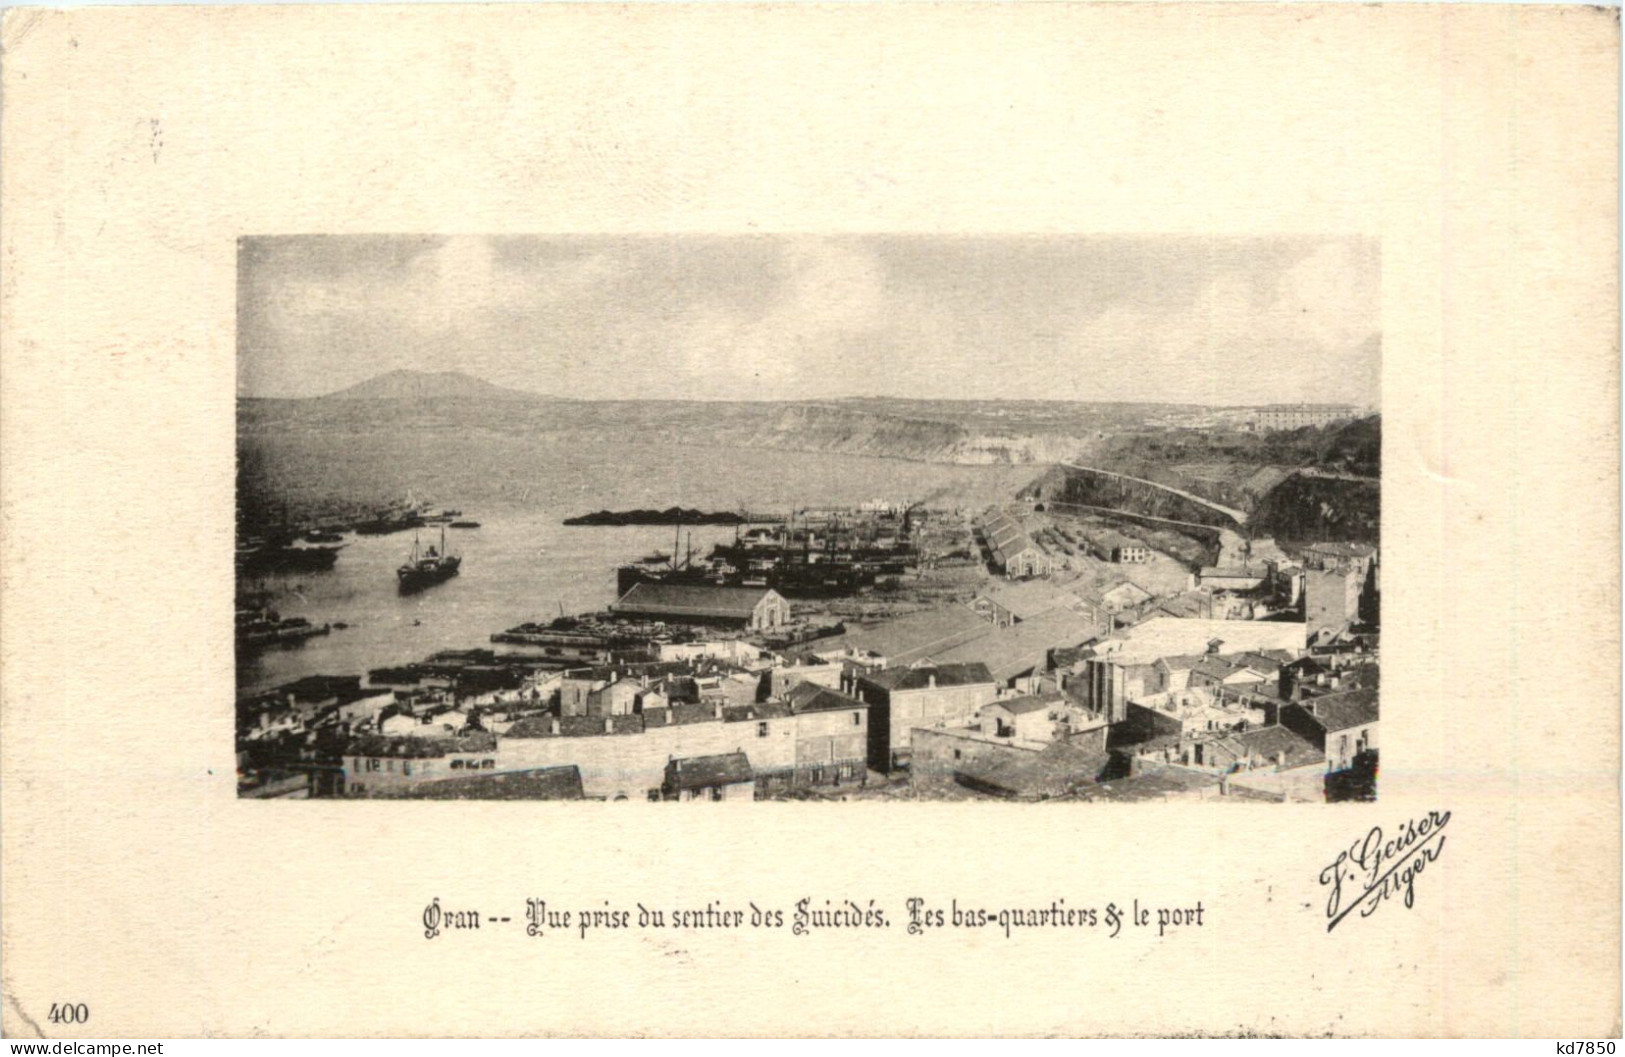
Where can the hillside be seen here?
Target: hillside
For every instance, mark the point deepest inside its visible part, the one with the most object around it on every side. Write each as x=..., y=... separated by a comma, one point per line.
x=427, y=385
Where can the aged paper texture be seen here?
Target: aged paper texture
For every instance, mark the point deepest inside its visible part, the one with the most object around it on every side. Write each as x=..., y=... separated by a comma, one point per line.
x=1456, y=164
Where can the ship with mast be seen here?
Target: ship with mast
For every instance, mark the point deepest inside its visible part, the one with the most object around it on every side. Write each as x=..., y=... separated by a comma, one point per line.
x=427, y=566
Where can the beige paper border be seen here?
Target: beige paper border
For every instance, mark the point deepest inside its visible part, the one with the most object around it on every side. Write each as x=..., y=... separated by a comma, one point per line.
x=138, y=144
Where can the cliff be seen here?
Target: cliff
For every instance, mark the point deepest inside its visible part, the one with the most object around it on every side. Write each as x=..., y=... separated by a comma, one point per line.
x=1307, y=508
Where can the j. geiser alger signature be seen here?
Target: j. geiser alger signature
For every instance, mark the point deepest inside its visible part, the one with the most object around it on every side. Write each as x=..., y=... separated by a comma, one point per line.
x=1380, y=865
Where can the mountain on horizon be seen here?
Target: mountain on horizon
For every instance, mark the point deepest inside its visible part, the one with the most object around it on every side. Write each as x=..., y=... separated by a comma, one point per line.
x=429, y=385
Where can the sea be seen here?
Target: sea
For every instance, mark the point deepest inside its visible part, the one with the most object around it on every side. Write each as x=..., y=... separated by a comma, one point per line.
x=523, y=564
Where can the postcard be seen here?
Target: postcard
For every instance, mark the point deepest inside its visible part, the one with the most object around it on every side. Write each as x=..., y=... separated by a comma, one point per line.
x=1108, y=512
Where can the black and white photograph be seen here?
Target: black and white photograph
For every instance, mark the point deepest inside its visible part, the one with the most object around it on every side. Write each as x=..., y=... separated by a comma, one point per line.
x=792, y=517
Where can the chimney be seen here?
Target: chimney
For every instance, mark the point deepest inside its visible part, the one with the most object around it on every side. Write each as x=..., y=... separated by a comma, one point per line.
x=555, y=724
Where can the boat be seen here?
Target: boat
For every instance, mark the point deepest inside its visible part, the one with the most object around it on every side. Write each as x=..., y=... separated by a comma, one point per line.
x=260, y=628
x=657, y=558
x=465, y=524
x=384, y=524
x=322, y=536
x=426, y=568
x=282, y=557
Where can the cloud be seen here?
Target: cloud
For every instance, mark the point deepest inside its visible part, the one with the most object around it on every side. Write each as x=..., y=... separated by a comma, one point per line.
x=787, y=317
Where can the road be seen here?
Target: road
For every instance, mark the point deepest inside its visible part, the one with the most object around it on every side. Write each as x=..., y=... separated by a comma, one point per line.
x=1235, y=515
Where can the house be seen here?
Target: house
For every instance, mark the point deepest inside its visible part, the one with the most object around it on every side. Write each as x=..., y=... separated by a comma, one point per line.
x=615, y=699
x=811, y=670
x=964, y=759
x=1020, y=718
x=1123, y=596
x=832, y=737
x=1233, y=578
x=1010, y=603
x=380, y=765
x=426, y=722
x=1280, y=747
x=727, y=776
x=1117, y=548
x=1340, y=557
x=1104, y=603
x=1331, y=600
x=929, y=695
x=1223, y=671
x=1340, y=725
x=1187, y=714
x=753, y=608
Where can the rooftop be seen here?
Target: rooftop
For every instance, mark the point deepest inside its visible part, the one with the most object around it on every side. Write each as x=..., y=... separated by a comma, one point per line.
x=1029, y=598
x=1009, y=652
x=381, y=745
x=1020, y=706
x=1342, y=711
x=544, y=783
x=920, y=678
x=700, y=772
x=1053, y=771
x=1149, y=785
x=693, y=599
x=914, y=636
x=1265, y=742
x=810, y=697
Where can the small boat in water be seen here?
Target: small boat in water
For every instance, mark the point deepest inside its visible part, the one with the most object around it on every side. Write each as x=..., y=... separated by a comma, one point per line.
x=465, y=524
x=657, y=558
x=426, y=568
x=320, y=536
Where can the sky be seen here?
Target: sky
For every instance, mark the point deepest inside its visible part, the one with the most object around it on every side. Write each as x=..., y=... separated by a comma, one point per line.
x=790, y=317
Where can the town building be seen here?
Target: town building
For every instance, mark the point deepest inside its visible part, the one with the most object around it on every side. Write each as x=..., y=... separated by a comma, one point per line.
x=1010, y=603
x=832, y=739
x=1272, y=417
x=1118, y=548
x=1342, y=726
x=752, y=608
x=962, y=759
x=1331, y=601
x=929, y=695
x=1340, y=557
x=725, y=776
x=1233, y=578
x=377, y=765
x=1013, y=655
x=1013, y=552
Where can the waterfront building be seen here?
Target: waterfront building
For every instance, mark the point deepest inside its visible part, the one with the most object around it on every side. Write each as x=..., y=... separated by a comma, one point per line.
x=752, y=608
